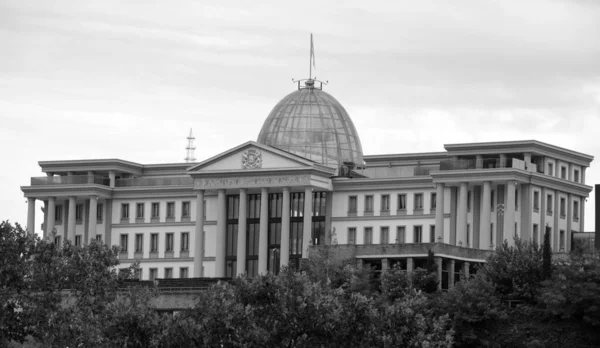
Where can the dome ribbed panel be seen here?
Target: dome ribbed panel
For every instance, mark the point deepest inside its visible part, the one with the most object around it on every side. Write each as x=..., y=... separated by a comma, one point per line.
x=314, y=125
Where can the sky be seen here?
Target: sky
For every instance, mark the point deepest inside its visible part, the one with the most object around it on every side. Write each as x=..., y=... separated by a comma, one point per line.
x=127, y=79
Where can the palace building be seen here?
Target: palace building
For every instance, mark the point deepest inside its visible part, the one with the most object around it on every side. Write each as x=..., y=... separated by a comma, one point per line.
x=305, y=185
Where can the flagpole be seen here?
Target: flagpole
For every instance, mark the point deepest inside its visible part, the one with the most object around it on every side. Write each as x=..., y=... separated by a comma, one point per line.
x=310, y=58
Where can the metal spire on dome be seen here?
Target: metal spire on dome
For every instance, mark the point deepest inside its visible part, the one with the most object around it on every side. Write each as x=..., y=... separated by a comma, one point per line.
x=190, y=148
x=309, y=83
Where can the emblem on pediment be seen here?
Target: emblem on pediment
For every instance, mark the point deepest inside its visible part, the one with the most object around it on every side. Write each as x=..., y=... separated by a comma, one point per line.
x=251, y=159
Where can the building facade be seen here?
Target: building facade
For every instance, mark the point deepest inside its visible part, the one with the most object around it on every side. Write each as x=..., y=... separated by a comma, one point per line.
x=305, y=183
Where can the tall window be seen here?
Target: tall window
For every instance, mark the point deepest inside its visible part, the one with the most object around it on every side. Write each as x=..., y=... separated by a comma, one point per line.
x=57, y=241
x=433, y=202
x=185, y=210
x=576, y=211
x=139, y=211
x=469, y=201
x=154, y=242
x=169, y=242
x=549, y=204
x=536, y=232
x=252, y=232
x=551, y=169
x=562, y=207
x=516, y=198
x=418, y=234
x=402, y=202
x=563, y=172
x=493, y=200
x=139, y=243
x=79, y=213
x=368, y=204
x=562, y=240
x=468, y=235
x=536, y=201
x=170, y=210
x=384, y=235
x=99, y=238
x=352, y=205
x=155, y=210
x=432, y=234
x=296, y=228
x=183, y=272
x=78, y=240
x=125, y=211
x=401, y=234
x=368, y=235
x=385, y=203
x=168, y=272
x=100, y=213
x=274, y=232
x=153, y=273
x=418, y=201
x=576, y=175
x=185, y=241
x=124, y=239
x=351, y=235
x=58, y=213
x=231, y=236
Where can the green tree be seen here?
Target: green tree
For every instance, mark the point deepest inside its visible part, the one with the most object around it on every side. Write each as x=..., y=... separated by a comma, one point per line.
x=547, y=255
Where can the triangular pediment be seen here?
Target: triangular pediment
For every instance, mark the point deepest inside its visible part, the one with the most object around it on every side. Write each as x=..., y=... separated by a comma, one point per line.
x=252, y=156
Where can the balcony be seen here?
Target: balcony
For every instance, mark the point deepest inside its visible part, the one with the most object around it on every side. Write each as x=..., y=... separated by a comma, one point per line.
x=70, y=180
x=139, y=182
x=490, y=163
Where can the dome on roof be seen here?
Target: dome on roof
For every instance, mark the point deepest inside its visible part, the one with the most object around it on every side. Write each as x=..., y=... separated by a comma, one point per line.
x=311, y=123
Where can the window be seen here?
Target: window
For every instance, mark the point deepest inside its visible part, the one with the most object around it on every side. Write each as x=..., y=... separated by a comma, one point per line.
x=385, y=203
x=432, y=233
x=57, y=241
x=168, y=272
x=78, y=240
x=493, y=200
x=562, y=207
x=352, y=205
x=418, y=201
x=139, y=243
x=550, y=169
x=368, y=204
x=469, y=201
x=183, y=272
x=576, y=210
x=169, y=242
x=185, y=241
x=418, y=234
x=351, y=235
x=562, y=240
x=576, y=175
x=401, y=234
x=536, y=232
x=468, y=235
x=492, y=234
x=79, y=213
x=170, y=210
x=124, y=239
x=433, y=202
x=58, y=213
x=402, y=201
x=100, y=212
x=125, y=211
x=563, y=172
x=516, y=198
x=153, y=273
x=185, y=210
x=384, y=235
x=139, y=211
x=536, y=201
x=154, y=242
x=368, y=235
x=138, y=273
x=99, y=238
x=155, y=210
x=549, y=204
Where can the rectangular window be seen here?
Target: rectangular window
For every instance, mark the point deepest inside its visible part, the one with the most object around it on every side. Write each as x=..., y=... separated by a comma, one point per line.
x=139, y=211
x=562, y=207
x=551, y=169
x=78, y=240
x=352, y=204
x=155, y=210
x=368, y=235
x=432, y=234
x=418, y=201
x=168, y=272
x=154, y=242
x=100, y=212
x=79, y=213
x=351, y=235
x=401, y=234
x=492, y=235
x=549, y=204
x=183, y=272
x=385, y=203
x=185, y=241
x=124, y=240
x=516, y=198
x=576, y=175
x=57, y=241
x=469, y=201
x=433, y=202
x=58, y=213
x=563, y=172
x=125, y=211
x=368, y=204
x=418, y=234
x=169, y=242
x=576, y=211
x=384, y=235
x=536, y=232
x=153, y=273
x=536, y=201
x=468, y=235
x=493, y=200
x=99, y=238
x=139, y=243
x=562, y=240
x=138, y=274
x=170, y=210
x=185, y=210
x=402, y=202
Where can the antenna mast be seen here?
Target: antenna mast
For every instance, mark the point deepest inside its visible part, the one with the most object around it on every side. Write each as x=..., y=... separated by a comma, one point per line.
x=190, y=148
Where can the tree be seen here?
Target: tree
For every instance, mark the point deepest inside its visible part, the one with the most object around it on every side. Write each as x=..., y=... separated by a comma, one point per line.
x=547, y=255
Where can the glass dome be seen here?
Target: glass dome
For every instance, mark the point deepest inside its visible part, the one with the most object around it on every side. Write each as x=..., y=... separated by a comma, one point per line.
x=311, y=123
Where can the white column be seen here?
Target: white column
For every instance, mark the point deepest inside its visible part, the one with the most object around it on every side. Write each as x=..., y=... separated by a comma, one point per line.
x=71, y=221
x=92, y=217
x=285, y=228
x=221, y=235
x=241, y=246
x=51, y=217
x=486, y=217
x=509, y=213
x=461, y=215
x=90, y=177
x=307, y=225
x=439, y=213
x=263, y=239
x=112, y=177
x=31, y=215
x=199, y=235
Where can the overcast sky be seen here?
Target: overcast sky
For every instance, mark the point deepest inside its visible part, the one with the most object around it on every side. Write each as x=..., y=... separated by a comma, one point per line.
x=128, y=79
